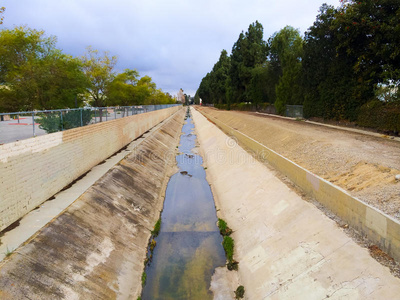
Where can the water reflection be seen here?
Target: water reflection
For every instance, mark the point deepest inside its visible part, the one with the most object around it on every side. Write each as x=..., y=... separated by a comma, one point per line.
x=189, y=244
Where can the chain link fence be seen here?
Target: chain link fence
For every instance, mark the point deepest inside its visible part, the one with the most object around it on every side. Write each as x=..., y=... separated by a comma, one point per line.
x=294, y=111
x=22, y=125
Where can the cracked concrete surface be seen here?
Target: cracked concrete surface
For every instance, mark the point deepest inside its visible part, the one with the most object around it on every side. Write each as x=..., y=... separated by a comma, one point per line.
x=286, y=247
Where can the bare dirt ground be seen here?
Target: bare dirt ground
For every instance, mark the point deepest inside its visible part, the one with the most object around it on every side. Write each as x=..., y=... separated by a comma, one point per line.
x=364, y=165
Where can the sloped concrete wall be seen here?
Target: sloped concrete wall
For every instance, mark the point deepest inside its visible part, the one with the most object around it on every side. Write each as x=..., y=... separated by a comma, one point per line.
x=380, y=228
x=286, y=247
x=33, y=170
x=96, y=248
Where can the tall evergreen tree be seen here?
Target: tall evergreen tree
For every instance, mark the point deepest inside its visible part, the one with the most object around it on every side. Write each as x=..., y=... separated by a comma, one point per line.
x=249, y=51
x=286, y=50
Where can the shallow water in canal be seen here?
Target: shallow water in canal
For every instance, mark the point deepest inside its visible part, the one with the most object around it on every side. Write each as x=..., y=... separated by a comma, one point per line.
x=189, y=244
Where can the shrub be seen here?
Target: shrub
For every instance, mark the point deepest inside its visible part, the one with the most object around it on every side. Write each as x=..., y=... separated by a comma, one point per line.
x=157, y=228
x=379, y=115
x=239, y=293
x=228, y=245
x=153, y=244
x=144, y=277
x=223, y=228
x=51, y=122
x=232, y=265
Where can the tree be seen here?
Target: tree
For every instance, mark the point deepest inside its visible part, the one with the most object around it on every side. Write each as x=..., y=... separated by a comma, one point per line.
x=2, y=9
x=286, y=50
x=329, y=79
x=218, y=77
x=259, y=87
x=249, y=51
x=144, y=91
x=197, y=98
x=36, y=75
x=351, y=52
x=121, y=91
x=21, y=45
x=319, y=56
x=368, y=32
x=99, y=69
x=236, y=86
x=204, y=89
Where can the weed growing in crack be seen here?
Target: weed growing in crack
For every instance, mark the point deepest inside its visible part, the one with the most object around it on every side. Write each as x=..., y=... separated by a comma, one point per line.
x=229, y=244
x=239, y=293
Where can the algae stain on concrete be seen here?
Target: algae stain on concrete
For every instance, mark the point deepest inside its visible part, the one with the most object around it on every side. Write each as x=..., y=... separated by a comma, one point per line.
x=189, y=244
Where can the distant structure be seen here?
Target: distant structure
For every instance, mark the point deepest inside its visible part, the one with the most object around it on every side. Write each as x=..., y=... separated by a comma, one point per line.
x=181, y=96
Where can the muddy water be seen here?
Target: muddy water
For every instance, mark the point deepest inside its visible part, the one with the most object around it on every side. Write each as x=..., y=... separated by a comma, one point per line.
x=189, y=244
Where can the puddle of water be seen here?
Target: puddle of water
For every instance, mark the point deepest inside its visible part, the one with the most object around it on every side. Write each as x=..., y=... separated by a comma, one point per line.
x=189, y=244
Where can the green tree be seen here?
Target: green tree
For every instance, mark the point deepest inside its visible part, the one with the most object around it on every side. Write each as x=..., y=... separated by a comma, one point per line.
x=197, y=98
x=254, y=52
x=218, y=79
x=2, y=9
x=259, y=85
x=350, y=52
x=249, y=51
x=286, y=50
x=144, y=90
x=369, y=33
x=319, y=56
x=236, y=86
x=204, y=90
x=21, y=45
x=99, y=69
x=36, y=75
x=121, y=91
x=329, y=79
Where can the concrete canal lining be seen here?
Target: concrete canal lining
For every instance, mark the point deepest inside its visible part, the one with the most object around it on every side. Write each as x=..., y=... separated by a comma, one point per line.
x=189, y=244
x=95, y=249
x=286, y=247
x=35, y=169
x=378, y=227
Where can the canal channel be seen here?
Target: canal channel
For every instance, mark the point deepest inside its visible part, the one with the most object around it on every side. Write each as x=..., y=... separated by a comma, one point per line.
x=188, y=247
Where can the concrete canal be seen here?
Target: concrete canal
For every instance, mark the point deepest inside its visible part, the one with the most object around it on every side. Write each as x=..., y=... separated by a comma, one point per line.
x=188, y=248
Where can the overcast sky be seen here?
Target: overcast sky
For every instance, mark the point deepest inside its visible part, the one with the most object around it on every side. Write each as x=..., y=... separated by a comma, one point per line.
x=176, y=42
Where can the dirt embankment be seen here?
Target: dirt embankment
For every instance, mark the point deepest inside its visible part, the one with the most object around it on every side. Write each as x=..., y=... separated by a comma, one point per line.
x=364, y=165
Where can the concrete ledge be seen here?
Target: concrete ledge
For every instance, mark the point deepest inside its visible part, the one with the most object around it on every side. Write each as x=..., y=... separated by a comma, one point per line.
x=380, y=228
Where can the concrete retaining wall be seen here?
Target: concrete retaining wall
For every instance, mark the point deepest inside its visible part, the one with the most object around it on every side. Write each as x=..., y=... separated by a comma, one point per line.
x=33, y=170
x=96, y=248
x=380, y=228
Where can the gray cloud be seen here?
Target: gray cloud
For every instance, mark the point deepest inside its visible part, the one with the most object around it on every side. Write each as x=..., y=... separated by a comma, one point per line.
x=175, y=42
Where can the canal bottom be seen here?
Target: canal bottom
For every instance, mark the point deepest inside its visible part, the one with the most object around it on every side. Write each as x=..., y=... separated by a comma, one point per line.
x=189, y=245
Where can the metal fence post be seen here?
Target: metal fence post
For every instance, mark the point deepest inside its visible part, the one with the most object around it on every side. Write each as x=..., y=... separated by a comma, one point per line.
x=61, y=119
x=33, y=123
x=81, y=116
x=115, y=113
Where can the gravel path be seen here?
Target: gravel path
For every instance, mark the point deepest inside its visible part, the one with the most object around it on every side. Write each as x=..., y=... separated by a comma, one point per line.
x=364, y=165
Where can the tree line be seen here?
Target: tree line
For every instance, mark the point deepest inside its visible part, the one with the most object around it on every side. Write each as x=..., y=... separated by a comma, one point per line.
x=35, y=75
x=347, y=62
